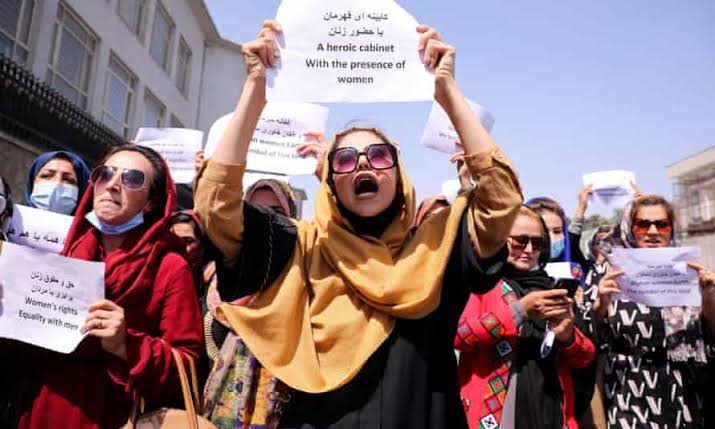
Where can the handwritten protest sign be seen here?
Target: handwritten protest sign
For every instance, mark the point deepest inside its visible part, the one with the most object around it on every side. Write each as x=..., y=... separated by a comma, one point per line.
x=439, y=133
x=40, y=229
x=348, y=51
x=178, y=146
x=658, y=277
x=611, y=188
x=45, y=298
x=278, y=133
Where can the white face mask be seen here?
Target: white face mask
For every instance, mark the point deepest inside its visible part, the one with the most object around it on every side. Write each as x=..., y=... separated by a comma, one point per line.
x=55, y=197
x=108, y=229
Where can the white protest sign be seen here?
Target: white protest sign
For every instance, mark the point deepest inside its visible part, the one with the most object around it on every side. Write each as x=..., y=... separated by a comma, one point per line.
x=278, y=133
x=658, y=277
x=612, y=188
x=439, y=133
x=450, y=189
x=178, y=146
x=45, y=297
x=40, y=229
x=348, y=51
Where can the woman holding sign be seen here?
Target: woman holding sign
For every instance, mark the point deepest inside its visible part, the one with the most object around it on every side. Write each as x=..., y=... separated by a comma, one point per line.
x=150, y=306
x=352, y=311
x=657, y=356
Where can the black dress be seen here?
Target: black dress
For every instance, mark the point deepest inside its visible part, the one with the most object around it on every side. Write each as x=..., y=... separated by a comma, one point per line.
x=411, y=380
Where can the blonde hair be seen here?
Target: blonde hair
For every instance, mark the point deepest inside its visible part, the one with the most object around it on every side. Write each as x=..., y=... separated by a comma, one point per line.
x=532, y=214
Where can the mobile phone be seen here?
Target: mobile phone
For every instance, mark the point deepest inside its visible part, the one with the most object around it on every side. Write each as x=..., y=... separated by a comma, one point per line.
x=569, y=284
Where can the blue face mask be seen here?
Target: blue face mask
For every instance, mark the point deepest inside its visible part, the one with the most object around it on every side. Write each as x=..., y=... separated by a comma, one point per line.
x=107, y=229
x=557, y=248
x=55, y=197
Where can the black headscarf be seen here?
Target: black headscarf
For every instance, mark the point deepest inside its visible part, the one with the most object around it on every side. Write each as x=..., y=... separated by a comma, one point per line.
x=538, y=391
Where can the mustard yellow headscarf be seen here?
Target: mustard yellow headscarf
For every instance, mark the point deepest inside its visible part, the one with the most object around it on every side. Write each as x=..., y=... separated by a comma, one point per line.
x=336, y=302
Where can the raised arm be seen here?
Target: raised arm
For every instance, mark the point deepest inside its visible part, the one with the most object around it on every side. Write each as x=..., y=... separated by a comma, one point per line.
x=218, y=192
x=497, y=194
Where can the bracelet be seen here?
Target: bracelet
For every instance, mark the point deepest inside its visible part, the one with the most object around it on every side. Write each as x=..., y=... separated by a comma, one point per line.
x=517, y=312
x=576, y=226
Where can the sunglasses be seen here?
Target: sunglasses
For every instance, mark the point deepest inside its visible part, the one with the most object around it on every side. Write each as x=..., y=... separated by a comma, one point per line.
x=132, y=180
x=521, y=241
x=380, y=156
x=642, y=226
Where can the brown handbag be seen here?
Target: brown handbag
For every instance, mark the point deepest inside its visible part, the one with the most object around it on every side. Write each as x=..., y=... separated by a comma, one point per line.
x=168, y=417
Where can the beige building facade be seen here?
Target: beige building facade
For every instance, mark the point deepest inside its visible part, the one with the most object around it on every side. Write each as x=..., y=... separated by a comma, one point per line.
x=694, y=198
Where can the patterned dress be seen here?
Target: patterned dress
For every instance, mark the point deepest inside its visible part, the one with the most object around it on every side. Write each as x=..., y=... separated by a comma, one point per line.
x=656, y=366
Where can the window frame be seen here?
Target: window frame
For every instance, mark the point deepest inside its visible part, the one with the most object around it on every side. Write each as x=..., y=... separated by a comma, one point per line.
x=187, y=69
x=89, y=58
x=131, y=93
x=159, y=9
x=150, y=95
x=16, y=39
x=140, y=31
x=175, y=122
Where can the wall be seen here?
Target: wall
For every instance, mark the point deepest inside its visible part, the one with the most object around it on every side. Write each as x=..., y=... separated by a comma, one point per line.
x=15, y=161
x=114, y=36
x=224, y=75
x=707, y=248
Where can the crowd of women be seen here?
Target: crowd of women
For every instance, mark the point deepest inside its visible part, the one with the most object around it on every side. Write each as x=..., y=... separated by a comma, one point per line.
x=373, y=314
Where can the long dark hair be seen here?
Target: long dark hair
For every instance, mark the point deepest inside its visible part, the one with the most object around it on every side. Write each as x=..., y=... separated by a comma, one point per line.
x=157, y=187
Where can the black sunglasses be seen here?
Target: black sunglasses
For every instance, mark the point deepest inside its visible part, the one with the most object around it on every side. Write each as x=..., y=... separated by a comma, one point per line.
x=521, y=241
x=380, y=156
x=642, y=226
x=133, y=180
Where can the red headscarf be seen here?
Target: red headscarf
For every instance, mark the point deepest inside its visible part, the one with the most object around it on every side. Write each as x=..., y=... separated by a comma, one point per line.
x=131, y=277
x=137, y=260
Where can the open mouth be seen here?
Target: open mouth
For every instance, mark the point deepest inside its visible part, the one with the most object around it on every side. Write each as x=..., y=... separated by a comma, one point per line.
x=365, y=186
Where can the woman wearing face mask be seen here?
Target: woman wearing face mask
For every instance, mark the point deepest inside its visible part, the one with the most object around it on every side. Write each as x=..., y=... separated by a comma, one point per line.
x=56, y=181
x=349, y=310
x=518, y=342
x=655, y=372
x=275, y=195
x=150, y=306
x=564, y=242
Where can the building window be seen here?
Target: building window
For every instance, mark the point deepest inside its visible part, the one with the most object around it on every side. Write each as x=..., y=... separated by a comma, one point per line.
x=15, y=22
x=72, y=55
x=153, y=111
x=132, y=13
x=176, y=123
x=161, y=35
x=118, y=97
x=183, y=67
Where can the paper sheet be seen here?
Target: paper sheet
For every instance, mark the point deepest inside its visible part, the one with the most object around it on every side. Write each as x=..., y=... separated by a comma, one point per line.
x=440, y=135
x=45, y=298
x=658, y=277
x=278, y=133
x=611, y=188
x=40, y=229
x=178, y=146
x=348, y=51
